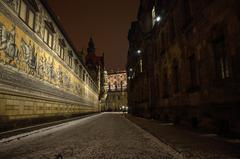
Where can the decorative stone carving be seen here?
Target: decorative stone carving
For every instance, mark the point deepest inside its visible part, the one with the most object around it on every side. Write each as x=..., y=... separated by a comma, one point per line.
x=8, y=45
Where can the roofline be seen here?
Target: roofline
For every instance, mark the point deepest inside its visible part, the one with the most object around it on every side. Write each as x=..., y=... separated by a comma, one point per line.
x=64, y=33
x=60, y=26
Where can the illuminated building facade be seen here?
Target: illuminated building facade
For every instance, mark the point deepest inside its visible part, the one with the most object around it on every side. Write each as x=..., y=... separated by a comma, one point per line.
x=117, y=91
x=41, y=73
x=96, y=68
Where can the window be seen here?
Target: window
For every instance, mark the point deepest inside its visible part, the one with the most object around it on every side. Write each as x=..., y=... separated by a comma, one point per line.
x=31, y=19
x=121, y=85
x=87, y=79
x=115, y=84
x=70, y=56
x=221, y=60
x=61, y=52
x=27, y=13
x=70, y=61
x=61, y=46
x=23, y=11
x=50, y=40
x=193, y=71
x=48, y=34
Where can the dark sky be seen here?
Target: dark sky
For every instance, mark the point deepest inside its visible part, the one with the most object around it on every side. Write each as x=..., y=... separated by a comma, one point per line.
x=107, y=21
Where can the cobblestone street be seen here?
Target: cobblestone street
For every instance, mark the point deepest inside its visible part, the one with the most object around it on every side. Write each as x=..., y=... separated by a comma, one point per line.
x=106, y=135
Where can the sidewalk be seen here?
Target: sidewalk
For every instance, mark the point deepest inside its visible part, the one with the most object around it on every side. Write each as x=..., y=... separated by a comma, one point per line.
x=191, y=144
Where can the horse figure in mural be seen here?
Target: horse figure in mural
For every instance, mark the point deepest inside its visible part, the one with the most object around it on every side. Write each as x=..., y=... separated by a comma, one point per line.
x=30, y=56
x=8, y=45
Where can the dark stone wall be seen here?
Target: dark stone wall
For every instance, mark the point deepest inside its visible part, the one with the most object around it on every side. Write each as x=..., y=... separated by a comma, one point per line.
x=192, y=68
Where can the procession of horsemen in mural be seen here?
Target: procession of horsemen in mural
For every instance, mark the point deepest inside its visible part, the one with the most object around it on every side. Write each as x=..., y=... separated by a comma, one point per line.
x=27, y=59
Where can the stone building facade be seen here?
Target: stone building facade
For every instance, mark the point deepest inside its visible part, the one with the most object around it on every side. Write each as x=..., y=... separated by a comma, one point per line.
x=190, y=58
x=96, y=68
x=116, y=91
x=41, y=73
x=137, y=73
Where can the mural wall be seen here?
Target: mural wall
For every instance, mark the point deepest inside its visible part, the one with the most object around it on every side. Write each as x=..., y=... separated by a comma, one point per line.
x=36, y=70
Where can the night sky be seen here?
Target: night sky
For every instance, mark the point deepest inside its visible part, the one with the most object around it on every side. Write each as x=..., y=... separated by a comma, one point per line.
x=107, y=21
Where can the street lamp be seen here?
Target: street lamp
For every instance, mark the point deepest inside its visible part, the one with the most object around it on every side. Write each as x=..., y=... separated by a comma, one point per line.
x=139, y=51
x=158, y=18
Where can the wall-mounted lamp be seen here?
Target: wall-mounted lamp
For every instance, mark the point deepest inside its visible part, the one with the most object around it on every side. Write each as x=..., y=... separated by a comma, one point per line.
x=158, y=18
